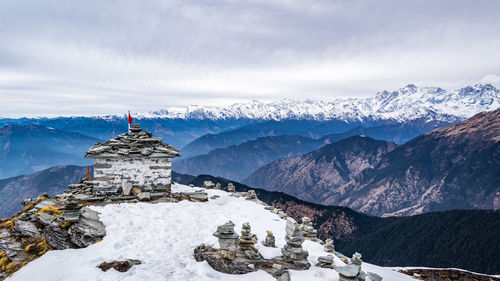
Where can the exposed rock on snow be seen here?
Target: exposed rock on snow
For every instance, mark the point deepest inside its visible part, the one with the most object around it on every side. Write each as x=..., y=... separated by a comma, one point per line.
x=88, y=230
x=121, y=266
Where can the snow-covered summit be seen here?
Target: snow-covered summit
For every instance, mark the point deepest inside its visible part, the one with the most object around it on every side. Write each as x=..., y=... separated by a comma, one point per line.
x=408, y=103
x=163, y=236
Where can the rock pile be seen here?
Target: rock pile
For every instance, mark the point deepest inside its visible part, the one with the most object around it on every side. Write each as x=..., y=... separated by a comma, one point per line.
x=325, y=261
x=251, y=195
x=208, y=185
x=270, y=240
x=218, y=186
x=247, y=242
x=228, y=240
x=308, y=229
x=230, y=187
x=294, y=256
x=352, y=271
x=71, y=210
x=329, y=248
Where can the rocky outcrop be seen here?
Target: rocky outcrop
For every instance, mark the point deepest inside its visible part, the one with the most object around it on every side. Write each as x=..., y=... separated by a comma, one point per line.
x=88, y=230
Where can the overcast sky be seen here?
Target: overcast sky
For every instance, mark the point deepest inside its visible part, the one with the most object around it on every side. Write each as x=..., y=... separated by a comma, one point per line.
x=105, y=57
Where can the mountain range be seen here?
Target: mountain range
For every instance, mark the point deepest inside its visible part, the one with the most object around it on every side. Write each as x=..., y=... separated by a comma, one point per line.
x=396, y=116
x=407, y=103
x=25, y=149
x=53, y=180
x=451, y=167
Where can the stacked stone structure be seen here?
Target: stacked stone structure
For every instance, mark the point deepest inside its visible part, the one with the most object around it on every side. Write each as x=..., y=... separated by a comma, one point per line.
x=247, y=242
x=228, y=240
x=293, y=255
x=270, y=240
x=134, y=158
x=329, y=247
x=308, y=229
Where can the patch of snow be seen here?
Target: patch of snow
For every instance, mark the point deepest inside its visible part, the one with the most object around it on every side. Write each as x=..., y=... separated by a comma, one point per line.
x=163, y=236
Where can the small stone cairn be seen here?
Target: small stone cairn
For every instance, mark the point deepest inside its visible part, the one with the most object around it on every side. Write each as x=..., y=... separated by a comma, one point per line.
x=208, y=185
x=308, y=229
x=228, y=240
x=329, y=248
x=71, y=210
x=352, y=271
x=218, y=186
x=270, y=240
x=247, y=242
x=230, y=187
x=325, y=261
x=294, y=257
x=251, y=195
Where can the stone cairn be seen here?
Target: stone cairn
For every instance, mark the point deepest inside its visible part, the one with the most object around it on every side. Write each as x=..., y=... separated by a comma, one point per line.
x=329, y=248
x=294, y=257
x=270, y=240
x=352, y=271
x=71, y=210
x=230, y=187
x=325, y=261
x=247, y=242
x=208, y=185
x=251, y=195
x=308, y=229
x=228, y=240
x=218, y=186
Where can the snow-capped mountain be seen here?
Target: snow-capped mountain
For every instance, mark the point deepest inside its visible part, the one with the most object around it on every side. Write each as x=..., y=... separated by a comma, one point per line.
x=408, y=103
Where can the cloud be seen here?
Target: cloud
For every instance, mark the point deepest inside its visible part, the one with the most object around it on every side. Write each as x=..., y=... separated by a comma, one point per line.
x=98, y=57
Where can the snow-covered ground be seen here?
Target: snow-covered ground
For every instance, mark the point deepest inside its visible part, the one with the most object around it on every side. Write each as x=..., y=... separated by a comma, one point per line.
x=163, y=236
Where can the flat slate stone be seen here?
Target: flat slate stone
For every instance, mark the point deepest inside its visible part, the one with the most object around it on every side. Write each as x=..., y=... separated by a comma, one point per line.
x=43, y=204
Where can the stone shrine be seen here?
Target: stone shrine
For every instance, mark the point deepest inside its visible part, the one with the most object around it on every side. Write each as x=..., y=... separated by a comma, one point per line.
x=135, y=158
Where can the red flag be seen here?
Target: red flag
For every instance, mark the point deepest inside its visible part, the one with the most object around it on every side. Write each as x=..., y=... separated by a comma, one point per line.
x=129, y=118
x=88, y=174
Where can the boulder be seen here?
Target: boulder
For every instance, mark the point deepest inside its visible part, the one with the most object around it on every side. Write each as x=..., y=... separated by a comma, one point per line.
x=208, y=185
x=57, y=237
x=136, y=190
x=45, y=219
x=144, y=196
x=25, y=228
x=88, y=230
x=126, y=188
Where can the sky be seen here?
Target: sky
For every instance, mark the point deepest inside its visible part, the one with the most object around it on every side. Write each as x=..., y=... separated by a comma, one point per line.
x=106, y=57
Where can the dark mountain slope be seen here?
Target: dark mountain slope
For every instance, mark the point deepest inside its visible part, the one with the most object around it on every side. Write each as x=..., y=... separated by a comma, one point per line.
x=29, y=148
x=314, y=174
x=238, y=162
x=209, y=142
x=451, y=167
x=447, y=239
x=53, y=180
x=467, y=239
